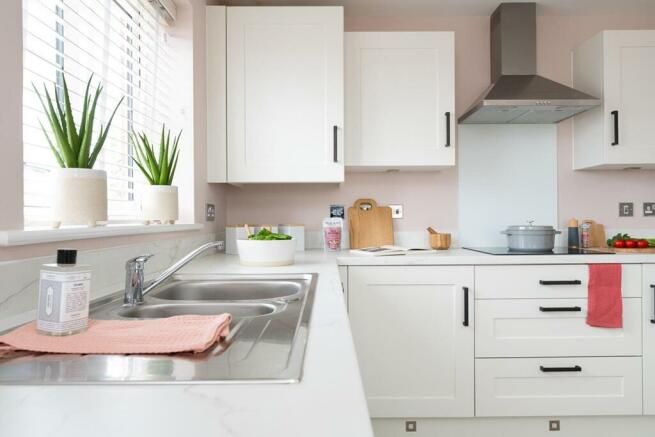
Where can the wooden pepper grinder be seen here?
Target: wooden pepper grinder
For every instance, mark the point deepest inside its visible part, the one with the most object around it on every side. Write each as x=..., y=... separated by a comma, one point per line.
x=574, y=234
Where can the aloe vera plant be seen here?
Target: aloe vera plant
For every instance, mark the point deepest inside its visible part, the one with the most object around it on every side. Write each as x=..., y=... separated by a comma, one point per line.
x=159, y=170
x=72, y=145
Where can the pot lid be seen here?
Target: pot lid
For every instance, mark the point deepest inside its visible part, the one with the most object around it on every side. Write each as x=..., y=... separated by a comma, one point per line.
x=530, y=227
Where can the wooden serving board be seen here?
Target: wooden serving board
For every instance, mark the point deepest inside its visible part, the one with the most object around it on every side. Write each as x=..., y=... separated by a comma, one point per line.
x=625, y=250
x=369, y=224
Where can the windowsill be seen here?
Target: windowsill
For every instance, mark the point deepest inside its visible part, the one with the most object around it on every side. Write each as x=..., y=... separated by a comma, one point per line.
x=36, y=236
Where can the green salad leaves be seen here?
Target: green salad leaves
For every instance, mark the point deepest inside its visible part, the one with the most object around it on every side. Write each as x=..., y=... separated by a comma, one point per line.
x=265, y=234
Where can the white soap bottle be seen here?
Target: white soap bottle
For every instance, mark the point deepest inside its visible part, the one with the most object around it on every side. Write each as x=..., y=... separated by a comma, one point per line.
x=64, y=291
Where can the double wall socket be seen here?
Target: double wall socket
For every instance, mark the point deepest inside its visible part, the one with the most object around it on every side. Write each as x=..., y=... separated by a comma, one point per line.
x=626, y=209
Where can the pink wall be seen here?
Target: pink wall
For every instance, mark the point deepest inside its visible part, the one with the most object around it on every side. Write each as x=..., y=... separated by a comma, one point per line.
x=192, y=14
x=431, y=198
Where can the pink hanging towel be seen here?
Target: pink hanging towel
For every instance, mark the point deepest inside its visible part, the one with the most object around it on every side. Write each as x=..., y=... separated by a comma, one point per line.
x=605, y=307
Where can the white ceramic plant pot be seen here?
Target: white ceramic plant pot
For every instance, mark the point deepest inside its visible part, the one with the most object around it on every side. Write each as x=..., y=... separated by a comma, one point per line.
x=160, y=203
x=79, y=196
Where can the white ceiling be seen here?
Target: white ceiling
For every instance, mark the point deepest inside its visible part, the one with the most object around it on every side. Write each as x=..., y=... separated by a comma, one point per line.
x=408, y=8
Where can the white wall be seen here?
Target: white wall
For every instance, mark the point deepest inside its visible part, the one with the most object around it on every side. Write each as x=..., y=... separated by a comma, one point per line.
x=507, y=176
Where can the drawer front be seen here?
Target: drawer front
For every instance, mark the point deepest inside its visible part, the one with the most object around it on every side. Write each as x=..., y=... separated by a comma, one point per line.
x=558, y=386
x=545, y=281
x=551, y=328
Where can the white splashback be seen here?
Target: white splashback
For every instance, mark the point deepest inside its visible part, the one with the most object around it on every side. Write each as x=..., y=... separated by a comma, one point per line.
x=507, y=175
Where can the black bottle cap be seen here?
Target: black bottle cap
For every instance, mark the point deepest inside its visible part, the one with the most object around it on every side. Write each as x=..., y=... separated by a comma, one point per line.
x=66, y=256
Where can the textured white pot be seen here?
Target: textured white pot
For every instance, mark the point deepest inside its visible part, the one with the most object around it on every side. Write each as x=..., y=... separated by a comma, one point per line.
x=79, y=197
x=160, y=203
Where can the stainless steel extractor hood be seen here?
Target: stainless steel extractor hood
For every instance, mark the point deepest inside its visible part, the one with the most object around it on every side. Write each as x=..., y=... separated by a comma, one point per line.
x=517, y=94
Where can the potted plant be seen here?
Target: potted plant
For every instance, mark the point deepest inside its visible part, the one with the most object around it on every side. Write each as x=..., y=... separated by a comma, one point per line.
x=160, y=197
x=79, y=191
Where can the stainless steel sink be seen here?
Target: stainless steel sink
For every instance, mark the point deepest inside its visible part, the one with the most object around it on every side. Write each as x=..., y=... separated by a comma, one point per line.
x=266, y=344
x=236, y=290
x=158, y=311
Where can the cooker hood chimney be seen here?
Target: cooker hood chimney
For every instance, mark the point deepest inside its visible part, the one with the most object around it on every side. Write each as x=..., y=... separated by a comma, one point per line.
x=517, y=94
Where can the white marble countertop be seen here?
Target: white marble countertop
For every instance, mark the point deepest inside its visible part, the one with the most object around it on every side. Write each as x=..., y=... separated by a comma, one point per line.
x=469, y=257
x=329, y=401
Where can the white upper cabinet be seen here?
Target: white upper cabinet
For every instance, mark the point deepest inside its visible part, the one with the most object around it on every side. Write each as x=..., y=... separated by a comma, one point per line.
x=617, y=66
x=413, y=332
x=285, y=94
x=400, y=100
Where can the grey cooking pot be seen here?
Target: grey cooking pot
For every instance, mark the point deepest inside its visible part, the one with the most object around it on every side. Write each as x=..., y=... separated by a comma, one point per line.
x=530, y=237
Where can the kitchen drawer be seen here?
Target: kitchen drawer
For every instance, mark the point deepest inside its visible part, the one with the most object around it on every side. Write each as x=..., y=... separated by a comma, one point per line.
x=545, y=281
x=530, y=328
x=525, y=387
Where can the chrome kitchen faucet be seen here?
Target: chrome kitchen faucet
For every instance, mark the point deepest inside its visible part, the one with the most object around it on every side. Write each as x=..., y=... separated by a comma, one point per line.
x=136, y=287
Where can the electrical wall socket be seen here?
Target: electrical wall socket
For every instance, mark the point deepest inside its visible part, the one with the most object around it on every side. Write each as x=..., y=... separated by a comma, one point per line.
x=649, y=209
x=553, y=425
x=626, y=209
x=210, y=212
x=396, y=211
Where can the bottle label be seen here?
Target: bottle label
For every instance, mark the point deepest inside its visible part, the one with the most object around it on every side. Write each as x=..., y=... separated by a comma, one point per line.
x=63, y=301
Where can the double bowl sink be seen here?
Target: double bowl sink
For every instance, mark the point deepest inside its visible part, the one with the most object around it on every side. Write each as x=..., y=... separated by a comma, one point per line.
x=266, y=344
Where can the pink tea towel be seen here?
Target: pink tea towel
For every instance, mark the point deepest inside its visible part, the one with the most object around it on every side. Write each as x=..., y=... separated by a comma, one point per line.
x=188, y=333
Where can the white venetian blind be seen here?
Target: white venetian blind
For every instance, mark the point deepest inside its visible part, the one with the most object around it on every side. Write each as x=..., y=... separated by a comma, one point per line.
x=123, y=43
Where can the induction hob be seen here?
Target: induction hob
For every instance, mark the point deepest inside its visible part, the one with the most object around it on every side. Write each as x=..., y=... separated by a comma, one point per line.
x=555, y=251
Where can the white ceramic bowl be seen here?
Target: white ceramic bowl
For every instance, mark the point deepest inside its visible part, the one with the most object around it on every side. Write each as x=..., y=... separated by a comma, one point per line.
x=267, y=252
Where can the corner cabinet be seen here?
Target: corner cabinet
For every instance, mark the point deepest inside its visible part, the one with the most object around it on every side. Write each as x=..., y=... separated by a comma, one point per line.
x=400, y=100
x=617, y=66
x=285, y=94
x=215, y=20
x=413, y=332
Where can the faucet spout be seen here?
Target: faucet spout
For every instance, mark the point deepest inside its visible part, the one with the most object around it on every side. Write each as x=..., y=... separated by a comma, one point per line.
x=135, y=286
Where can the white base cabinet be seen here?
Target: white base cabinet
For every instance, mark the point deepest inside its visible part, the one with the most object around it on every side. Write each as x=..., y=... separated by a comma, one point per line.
x=413, y=332
x=400, y=100
x=618, y=67
x=648, y=321
x=533, y=354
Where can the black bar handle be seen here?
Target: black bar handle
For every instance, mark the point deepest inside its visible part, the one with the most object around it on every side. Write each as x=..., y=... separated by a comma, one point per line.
x=653, y=319
x=571, y=282
x=335, y=152
x=561, y=369
x=560, y=309
x=615, y=115
x=447, y=129
x=466, y=306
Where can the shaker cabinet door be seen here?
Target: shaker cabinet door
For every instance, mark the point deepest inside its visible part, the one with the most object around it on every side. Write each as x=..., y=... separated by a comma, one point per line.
x=285, y=94
x=648, y=323
x=413, y=332
x=400, y=100
x=629, y=96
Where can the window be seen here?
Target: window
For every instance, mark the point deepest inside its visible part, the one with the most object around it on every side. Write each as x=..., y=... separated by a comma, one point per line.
x=123, y=43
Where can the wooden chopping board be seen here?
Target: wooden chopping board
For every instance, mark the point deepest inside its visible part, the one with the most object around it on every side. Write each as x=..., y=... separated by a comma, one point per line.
x=369, y=224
